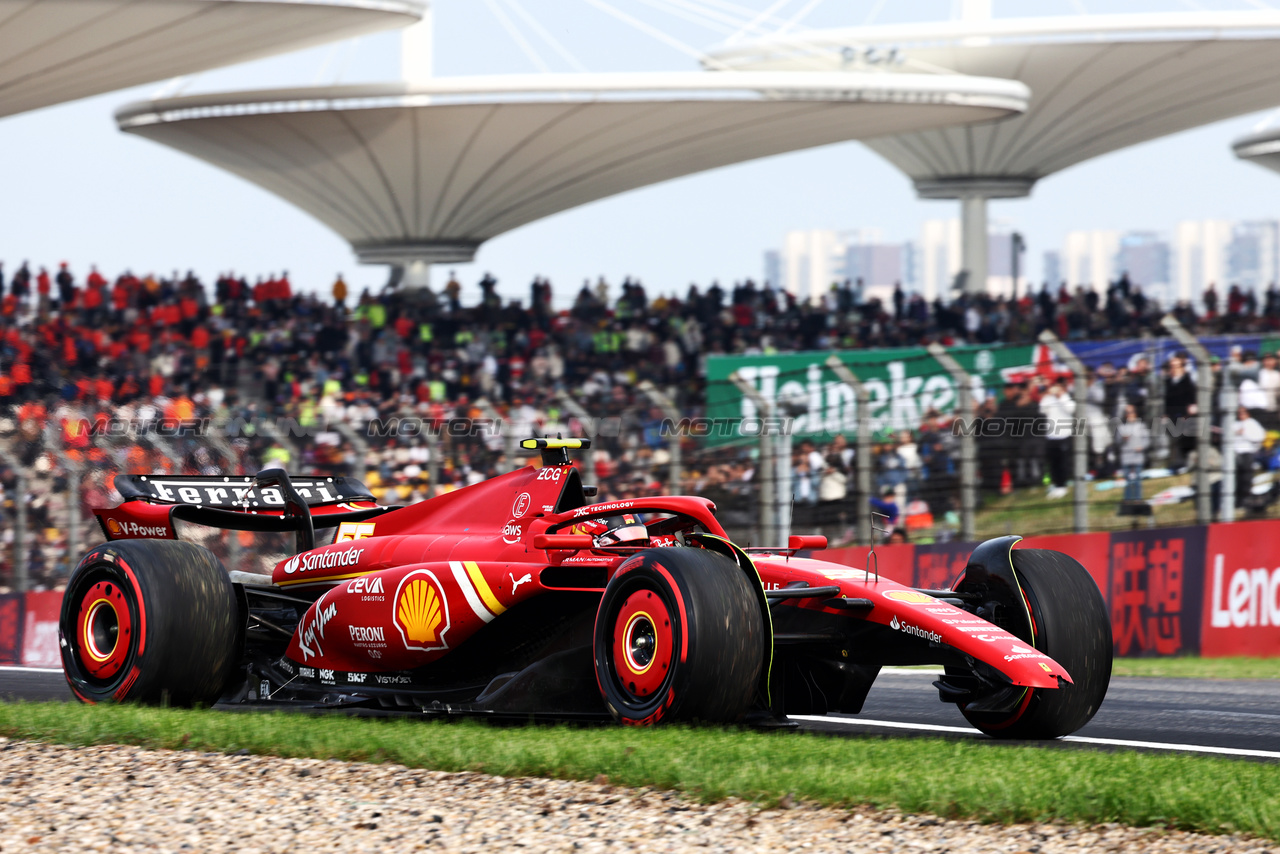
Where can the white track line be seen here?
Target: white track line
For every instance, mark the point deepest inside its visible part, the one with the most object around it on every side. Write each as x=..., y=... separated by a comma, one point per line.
x=32, y=669
x=1077, y=739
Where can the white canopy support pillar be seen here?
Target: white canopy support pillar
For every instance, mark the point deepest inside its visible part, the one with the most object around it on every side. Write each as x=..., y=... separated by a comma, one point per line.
x=417, y=50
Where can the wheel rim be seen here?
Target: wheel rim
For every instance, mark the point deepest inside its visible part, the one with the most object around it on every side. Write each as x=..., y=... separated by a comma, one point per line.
x=103, y=630
x=642, y=644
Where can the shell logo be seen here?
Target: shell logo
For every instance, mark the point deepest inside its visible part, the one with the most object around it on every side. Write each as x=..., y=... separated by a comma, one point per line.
x=911, y=596
x=422, y=611
x=114, y=527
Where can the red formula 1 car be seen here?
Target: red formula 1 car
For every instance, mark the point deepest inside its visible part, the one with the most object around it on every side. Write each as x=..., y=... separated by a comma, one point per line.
x=517, y=598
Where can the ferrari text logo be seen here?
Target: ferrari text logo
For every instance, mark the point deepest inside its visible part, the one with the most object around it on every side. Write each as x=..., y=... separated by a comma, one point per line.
x=422, y=612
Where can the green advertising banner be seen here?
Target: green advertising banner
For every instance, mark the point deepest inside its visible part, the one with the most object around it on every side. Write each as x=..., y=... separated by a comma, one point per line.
x=904, y=383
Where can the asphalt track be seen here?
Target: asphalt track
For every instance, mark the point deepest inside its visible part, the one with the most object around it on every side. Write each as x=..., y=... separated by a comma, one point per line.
x=1237, y=717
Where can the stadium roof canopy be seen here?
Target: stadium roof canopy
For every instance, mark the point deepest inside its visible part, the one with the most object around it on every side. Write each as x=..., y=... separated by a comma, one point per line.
x=1098, y=83
x=427, y=172
x=60, y=50
x=1262, y=148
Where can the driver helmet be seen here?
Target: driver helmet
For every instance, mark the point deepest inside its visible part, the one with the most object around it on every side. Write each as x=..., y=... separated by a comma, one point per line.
x=612, y=530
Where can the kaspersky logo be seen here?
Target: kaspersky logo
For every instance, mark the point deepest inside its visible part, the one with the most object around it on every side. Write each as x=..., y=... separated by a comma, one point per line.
x=422, y=611
x=914, y=630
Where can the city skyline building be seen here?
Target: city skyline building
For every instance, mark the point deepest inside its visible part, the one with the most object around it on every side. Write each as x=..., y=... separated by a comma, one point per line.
x=1099, y=83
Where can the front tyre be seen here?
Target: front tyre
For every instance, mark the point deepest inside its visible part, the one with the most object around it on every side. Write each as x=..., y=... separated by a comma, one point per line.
x=1070, y=624
x=150, y=621
x=678, y=637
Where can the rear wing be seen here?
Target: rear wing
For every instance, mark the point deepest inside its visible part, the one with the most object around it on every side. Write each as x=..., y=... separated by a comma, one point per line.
x=270, y=502
x=261, y=493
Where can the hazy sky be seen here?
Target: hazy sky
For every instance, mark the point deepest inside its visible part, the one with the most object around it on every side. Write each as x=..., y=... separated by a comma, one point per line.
x=74, y=188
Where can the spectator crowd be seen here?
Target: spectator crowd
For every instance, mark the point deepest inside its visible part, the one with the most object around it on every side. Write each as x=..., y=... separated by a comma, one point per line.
x=80, y=356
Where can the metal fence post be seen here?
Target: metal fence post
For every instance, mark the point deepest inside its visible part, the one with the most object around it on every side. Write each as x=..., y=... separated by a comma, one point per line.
x=862, y=453
x=1230, y=399
x=1079, y=437
x=74, y=470
x=1204, y=405
x=765, y=466
x=21, y=577
x=506, y=428
x=663, y=402
x=968, y=447
x=589, y=458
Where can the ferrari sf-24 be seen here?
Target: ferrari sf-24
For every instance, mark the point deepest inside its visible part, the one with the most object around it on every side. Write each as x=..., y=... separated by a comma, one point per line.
x=518, y=598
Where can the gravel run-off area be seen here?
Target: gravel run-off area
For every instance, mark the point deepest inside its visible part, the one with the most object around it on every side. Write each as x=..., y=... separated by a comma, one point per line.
x=109, y=798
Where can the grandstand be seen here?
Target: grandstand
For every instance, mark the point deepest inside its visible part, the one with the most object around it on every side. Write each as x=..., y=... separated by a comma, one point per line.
x=146, y=374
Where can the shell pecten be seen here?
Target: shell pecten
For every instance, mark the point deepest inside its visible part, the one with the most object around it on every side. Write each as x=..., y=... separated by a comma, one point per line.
x=419, y=611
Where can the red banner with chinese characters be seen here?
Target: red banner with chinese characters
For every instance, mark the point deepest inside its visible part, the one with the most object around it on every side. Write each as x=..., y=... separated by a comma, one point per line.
x=1154, y=591
x=1242, y=590
x=10, y=629
x=40, y=630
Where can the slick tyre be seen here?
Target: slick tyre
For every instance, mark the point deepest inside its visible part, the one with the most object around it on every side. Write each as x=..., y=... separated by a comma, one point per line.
x=678, y=637
x=149, y=621
x=1071, y=625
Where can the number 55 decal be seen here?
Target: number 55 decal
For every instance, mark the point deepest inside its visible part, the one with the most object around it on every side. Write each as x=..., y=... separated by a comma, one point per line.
x=354, y=531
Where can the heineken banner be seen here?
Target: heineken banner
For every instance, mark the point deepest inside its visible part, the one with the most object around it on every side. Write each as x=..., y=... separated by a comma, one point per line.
x=903, y=384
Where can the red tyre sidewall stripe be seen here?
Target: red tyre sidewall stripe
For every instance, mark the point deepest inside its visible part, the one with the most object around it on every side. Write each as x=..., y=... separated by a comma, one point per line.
x=1022, y=709
x=142, y=610
x=684, y=615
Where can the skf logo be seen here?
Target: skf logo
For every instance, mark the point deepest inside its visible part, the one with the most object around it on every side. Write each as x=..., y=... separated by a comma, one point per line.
x=909, y=596
x=354, y=531
x=422, y=612
x=521, y=506
x=511, y=533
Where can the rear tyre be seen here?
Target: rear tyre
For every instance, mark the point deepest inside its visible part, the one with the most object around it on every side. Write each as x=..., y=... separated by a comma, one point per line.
x=150, y=621
x=1071, y=625
x=678, y=637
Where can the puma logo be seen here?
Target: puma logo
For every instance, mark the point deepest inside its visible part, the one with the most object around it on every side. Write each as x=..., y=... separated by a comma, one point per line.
x=515, y=583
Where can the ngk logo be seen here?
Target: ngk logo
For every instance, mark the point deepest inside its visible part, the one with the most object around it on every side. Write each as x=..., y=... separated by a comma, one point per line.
x=1248, y=599
x=511, y=532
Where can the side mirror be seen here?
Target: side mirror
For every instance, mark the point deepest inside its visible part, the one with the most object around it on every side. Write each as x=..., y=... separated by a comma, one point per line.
x=575, y=542
x=815, y=542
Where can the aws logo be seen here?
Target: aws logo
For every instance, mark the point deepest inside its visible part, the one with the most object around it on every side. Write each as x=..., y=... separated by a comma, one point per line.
x=422, y=611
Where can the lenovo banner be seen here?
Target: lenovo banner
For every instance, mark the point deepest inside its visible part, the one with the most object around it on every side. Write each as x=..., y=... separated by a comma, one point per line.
x=1241, y=603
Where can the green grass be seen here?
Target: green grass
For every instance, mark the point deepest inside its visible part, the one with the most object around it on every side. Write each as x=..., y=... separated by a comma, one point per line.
x=1199, y=668
x=991, y=782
